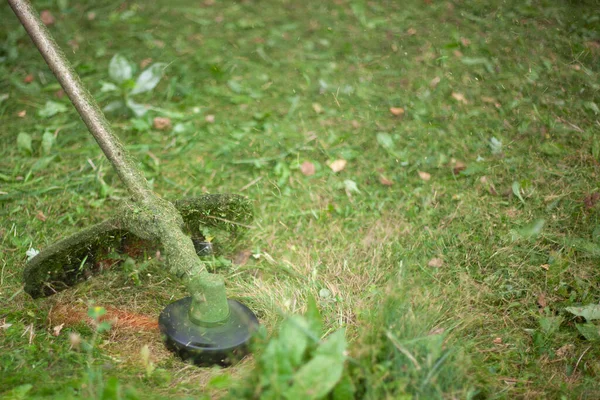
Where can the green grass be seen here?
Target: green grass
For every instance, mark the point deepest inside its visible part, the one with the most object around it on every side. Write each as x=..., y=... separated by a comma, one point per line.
x=289, y=82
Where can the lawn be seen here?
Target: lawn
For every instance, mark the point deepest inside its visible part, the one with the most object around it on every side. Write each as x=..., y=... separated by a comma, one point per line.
x=423, y=173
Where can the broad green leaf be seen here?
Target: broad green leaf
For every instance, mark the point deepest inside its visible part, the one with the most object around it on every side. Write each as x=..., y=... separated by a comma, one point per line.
x=24, y=143
x=344, y=389
x=138, y=109
x=119, y=69
x=550, y=325
x=18, y=393
x=318, y=377
x=495, y=146
x=149, y=78
x=350, y=186
x=334, y=346
x=47, y=142
x=114, y=106
x=276, y=367
x=313, y=317
x=108, y=87
x=516, y=189
x=590, y=312
x=385, y=140
x=590, y=105
x=292, y=335
x=51, y=108
x=42, y=163
x=111, y=389
x=589, y=331
x=530, y=231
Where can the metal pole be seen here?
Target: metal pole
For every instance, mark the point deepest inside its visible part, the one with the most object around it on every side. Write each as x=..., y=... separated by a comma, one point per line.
x=83, y=101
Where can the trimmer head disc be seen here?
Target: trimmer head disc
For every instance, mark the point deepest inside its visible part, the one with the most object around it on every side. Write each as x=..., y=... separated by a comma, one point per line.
x=223, y=344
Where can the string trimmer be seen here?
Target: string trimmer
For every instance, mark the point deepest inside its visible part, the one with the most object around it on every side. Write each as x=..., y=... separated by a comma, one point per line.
x=205, y=327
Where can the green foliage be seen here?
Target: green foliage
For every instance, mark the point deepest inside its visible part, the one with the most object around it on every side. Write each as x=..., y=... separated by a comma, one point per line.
x=121, y=71
x=296, y=363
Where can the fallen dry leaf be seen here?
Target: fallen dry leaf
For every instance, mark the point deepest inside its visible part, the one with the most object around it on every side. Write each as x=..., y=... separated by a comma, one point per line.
x=541, y=300
x=242, y=257
x=317, y=107
x=210, y=118
x=565, y=350
x=338, y=165
x=436, y=331
x=435, y=262
x=5, y=325
x=28, y=78
x=397, y=111
x=91, y=16
x=145, y=62
x=59, y=94
x=457, y=53
x=162, y=123
x=434, y=82
x=424, y=175
x=486, y=99
x=22, y=113
x=75, y=340
x=385, y=181
x=459, y=97
x=591, y=200
x=47, y=17
x=355, y=124
x=411, y=32
x=40, y=215
x=545, y=267
x=56, y=330
x=307, y=168
x=465, y=42
x=497, y=340
x=458, y=166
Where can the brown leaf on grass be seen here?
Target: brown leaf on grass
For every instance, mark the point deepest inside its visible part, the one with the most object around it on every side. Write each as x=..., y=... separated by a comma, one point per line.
x=59, y=94
x=458, y=167
x=397, y=111
x=91, y=16
x=242, y=257
x=145, y=62
x=162, y=123
x=338, y=165
x=385, y=181
x=591, y=200
x=545, y=267
x=74, y=340
x=411, y=32
x=47, y=17
x=459, y=97
x=424, y=175
x=565, y=350
x=497, y=340
x=307, y=168
x=355, y=124
x=435, y=262
x=22, y=113
x=318, y=108
x=541, y=300
x=434, y=82
x=56, y=330
x=40, y=215
x=457, y=53
x=465, y=42
x=210, y=118
x=4, y=324
x=28, y=78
